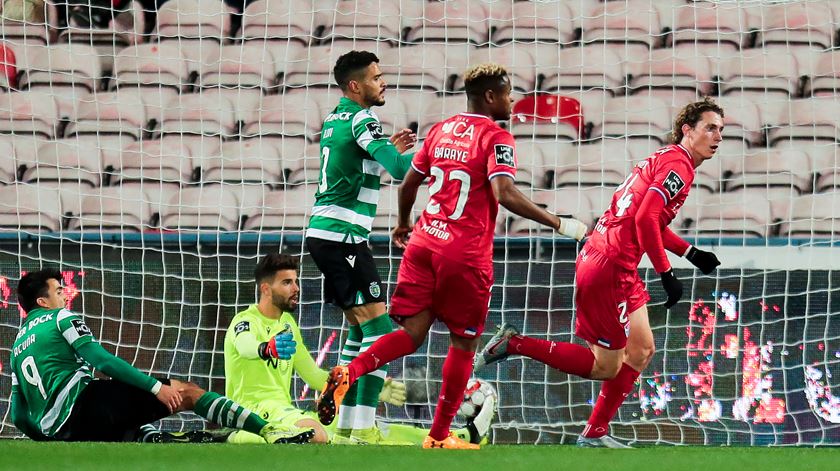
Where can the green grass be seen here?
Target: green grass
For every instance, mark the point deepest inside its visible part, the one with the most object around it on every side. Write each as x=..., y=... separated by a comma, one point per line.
x=24, y=455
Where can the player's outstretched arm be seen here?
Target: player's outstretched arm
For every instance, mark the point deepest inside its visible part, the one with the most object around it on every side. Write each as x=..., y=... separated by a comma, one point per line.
x=395, y=162
x=705, y=261
x=511, y=198
x=406, y=195
x=117, y=368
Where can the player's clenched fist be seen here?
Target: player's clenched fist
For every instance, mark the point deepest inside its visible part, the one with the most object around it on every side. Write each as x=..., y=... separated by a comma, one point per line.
x=280, y=346
x=571, y=227
x=673, y=288
x=399, y=236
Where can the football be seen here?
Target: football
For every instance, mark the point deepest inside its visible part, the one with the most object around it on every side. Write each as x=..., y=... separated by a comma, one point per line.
x=475, y=396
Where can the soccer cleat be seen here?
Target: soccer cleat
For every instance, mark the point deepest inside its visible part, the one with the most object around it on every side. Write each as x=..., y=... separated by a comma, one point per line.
x=496, y=348
x=479, y=426
x=605, y=441
x=340, y=440
x=149, y=434
x=281, y=434
x=374, y=436
x=449, y=443
x=337, y=385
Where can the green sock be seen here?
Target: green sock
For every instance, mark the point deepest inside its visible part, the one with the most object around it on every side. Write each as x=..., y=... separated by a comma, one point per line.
x=347, y=412
x=370, y=385
x=221, y=410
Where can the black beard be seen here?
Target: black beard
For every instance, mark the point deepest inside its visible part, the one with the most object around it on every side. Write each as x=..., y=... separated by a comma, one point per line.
x=282, y=303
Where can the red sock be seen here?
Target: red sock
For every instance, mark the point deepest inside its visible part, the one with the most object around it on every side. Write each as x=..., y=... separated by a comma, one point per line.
x=456, y=372
x=566, y=357
x=385, y=350
x=613, y=393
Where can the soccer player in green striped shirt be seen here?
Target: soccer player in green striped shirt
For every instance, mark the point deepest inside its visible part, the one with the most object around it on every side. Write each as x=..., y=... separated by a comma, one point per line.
x=354, y=151
x=263, y=384
x=55, y=397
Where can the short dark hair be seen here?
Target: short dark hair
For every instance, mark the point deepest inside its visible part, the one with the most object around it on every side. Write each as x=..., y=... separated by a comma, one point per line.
x=350, y=64
x=483, y=77
x=691, y=114
x=34, y=285
x=271, y=264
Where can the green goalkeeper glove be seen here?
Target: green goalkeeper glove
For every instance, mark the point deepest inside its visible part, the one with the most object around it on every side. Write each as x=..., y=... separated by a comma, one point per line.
x=393, y=392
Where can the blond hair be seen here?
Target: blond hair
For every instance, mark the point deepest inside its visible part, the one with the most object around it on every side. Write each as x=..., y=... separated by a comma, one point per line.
x=483, y=76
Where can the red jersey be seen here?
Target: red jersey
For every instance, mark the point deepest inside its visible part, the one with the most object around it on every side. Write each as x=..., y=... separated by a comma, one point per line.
x=669, y=172
x=461, y=155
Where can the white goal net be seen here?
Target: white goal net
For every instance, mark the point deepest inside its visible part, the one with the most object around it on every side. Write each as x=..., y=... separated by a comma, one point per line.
x=153, y=153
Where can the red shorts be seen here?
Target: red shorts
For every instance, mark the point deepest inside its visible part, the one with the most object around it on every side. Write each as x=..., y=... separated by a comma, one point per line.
x=458, y=295
x=605, y=296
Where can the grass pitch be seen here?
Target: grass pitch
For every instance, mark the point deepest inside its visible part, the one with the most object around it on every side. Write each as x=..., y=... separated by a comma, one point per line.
x=26, y=455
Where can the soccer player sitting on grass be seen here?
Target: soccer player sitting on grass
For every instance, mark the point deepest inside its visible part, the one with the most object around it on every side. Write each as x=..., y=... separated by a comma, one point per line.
x=55, y=397
x=257, y=379
x=610, y=298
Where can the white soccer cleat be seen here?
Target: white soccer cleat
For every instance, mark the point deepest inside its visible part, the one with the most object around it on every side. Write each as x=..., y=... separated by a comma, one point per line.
x=601, y=442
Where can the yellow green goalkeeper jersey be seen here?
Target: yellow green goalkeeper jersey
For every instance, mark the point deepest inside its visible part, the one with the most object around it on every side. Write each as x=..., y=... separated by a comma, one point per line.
x=251, y=380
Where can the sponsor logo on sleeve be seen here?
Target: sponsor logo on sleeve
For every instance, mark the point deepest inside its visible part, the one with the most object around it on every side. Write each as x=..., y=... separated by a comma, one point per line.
x=375, y=130
x=504, y=155
x=81, y=328
x=673, y=183
x=241, y=327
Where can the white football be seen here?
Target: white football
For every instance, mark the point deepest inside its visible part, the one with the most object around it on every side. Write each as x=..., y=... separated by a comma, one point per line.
x=475, y=395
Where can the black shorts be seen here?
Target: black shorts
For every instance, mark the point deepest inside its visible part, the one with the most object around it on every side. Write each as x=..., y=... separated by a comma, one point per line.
x=350, y=275
x=108, y=410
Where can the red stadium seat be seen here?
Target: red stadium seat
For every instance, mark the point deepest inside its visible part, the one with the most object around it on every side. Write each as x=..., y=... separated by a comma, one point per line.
x=8, y=76
x=548, y=110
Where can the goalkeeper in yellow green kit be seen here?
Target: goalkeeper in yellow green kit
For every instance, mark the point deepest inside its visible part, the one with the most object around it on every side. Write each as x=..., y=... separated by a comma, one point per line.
x=259, y=380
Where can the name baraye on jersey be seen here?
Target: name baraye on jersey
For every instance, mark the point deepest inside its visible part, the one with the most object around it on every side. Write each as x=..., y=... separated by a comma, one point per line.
x=442, y=152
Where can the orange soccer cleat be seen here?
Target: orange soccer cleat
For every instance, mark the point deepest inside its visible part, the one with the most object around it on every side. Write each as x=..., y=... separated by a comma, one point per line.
x=450, y=443
x=337, y=385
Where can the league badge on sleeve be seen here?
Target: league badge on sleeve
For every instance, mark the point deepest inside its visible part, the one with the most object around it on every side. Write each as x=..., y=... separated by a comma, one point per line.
x=504, y=155
x=242, y=327
x=375, y=130
x=81, y=328
x=673, y=183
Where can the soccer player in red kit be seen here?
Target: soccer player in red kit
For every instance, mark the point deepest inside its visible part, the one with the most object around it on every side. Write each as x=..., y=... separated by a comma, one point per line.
x=447, y=270
x=610, y=298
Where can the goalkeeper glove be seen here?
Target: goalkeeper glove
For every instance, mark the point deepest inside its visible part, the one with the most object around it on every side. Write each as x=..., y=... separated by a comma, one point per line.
x=572, y=228
x=673, y=287
x=280, y=346
x=705, y=261
x=393, y=392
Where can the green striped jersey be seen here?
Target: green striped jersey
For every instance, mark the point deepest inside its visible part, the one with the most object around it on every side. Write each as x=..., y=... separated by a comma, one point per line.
x=45, y=367
x=348, y=186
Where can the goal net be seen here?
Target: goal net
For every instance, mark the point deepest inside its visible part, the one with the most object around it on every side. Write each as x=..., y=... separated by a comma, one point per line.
x=155, y=155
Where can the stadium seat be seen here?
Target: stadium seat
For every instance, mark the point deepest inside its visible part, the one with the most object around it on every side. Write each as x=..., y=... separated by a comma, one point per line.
x=757, y=72
x=742, y=214
x=126, y=28
x=65, y=162
x=631, y=26
x=417, y=67
x=41, y=31
x=582, y=68
x=386, y=210
x=295, y=113
x=161, y=161
x=741, y=120
x=810, y=119
x=283, y=20
x=316, y=64
x=415, y=101
x=248, y=161
x=66, y=66
x=635, y=117
x=200, y=114
x=455, y=21
x=674, y=75
x=530, y=167
x=564, y=201
x=438, y=108
x=113, y=209
x=206, y=207
x=30, y=208
x=605, y=162
x=364, y=19
x=825, y=80
x=714, y=174
x=29, y=113
x=303, y=168
x=393, y=115
x=547, y=116
x=796, y=24
x=283, y=211
x=600, y=197
x=771, y=168
x=247, y=65
x=8, y=163
x=714, y=28
x=119, y=114
x=194, y=20
x=517, y=58
x=545, y=22
x=813, y=216
x=8, y=73
x=151, y=65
